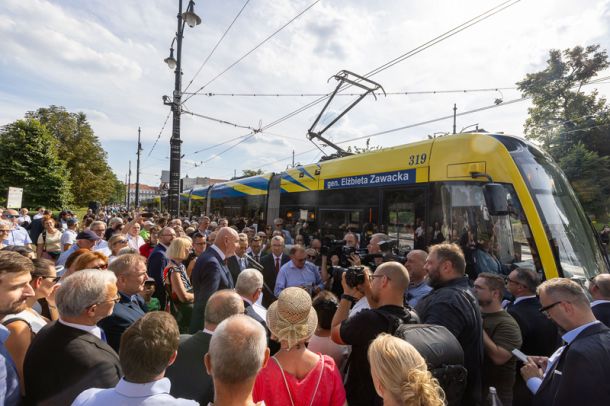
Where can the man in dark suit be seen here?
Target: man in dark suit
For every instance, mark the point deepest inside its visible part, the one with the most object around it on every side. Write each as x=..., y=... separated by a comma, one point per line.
x=188, y=376
x=577, y=373
x=240, y=260
x=539, y=334
x=71, y=355
x=272, y=264
x=599, y=287
x=249, y=286
x=211, y=274
x=130, y=271
x=157, y=261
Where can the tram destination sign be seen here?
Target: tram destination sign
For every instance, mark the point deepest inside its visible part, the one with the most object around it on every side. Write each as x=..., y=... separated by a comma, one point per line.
x=401, y=177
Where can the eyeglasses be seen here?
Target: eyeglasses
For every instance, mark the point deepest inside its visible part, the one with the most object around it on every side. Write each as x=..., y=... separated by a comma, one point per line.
x=311, y=257
x=116, y=300
x=371, y=277
x=121, y=242
x=53, y=279
x=100, y=266
x=509, y=280
x=545, y=310
x=9, y=216
x=5, y=231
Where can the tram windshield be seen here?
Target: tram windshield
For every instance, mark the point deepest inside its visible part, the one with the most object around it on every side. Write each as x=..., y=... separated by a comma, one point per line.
x=567, y=227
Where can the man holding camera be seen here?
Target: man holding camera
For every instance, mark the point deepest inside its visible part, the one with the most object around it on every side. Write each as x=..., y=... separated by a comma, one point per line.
x=384, y=290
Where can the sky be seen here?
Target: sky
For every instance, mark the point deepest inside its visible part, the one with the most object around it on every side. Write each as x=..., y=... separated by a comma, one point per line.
x=105, y=58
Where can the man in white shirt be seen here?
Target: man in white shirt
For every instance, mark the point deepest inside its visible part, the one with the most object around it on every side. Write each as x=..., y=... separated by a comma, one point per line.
x=24, y=218
x=148, y=347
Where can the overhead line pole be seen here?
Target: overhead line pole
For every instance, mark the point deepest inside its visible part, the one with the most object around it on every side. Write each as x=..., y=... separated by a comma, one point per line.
x=129, y=187
x=137, y=202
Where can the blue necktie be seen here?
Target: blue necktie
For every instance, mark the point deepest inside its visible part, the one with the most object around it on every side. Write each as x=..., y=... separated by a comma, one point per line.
x=103, y=334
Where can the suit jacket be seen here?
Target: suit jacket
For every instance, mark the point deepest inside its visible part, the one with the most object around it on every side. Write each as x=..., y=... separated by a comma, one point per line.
x=188, y=374
x=540, y=337
x=581, y=375
x=539, y=333
x=157, y=261
x=63, y=361
x=209, y=275
x=602, y=313
x=125, y=313
x=269, y=276
x=273, y=345
x=235, y=268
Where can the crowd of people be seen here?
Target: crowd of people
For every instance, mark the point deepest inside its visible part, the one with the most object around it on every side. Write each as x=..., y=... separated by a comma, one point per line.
x=138, y=308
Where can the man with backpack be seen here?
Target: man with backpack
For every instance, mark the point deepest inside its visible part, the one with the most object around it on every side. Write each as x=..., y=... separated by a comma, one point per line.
x=385, y=292
x=452, y=305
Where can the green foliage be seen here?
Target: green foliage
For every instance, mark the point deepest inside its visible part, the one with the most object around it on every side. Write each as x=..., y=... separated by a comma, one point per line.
x=251, y=172
x=92, y=178
x=573, y=126
x=360, y=150
x=29, y=158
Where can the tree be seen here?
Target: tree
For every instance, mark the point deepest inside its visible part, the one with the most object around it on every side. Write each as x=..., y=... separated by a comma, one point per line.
x=251, y=172
x=29, y=159
x=571, y=124
x=92, y=178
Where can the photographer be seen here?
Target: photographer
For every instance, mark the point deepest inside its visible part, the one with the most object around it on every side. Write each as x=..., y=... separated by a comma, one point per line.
x=384, y=290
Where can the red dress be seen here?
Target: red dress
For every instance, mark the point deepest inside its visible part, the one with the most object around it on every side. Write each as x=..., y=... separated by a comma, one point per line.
x=270, y=386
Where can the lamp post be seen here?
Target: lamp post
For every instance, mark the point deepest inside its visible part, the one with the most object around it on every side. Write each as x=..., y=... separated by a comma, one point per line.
x=188, y=17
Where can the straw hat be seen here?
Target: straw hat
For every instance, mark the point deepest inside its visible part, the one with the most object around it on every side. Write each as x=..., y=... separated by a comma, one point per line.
x=292, y=318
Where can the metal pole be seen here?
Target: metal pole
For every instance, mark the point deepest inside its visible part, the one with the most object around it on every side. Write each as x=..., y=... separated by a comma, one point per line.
x=129, y=187
x=175, y=142
x=126, y=189
x=137, y=203
x=454, y=116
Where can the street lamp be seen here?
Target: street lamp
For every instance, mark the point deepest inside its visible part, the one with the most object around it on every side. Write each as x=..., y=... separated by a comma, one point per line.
x=189, y=17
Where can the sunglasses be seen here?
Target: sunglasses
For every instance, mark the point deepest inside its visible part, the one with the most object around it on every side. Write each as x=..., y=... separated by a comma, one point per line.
x=121, y=242
x=544, y=310
x=101, y=266
x=5, y=231
x=9, y=216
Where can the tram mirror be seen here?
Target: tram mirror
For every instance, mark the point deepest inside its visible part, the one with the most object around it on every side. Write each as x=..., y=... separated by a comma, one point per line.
x=496, y=199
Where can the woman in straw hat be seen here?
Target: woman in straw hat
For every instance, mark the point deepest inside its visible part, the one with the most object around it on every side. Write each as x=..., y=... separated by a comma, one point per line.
x=295, y=375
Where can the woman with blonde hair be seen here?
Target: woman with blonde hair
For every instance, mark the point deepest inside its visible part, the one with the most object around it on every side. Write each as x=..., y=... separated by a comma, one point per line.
x=400, y=374
x=177, y=284
x=116, y=243
x=88, y=260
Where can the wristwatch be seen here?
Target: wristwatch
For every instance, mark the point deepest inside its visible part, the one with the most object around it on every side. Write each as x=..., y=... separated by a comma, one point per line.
x=349, y=297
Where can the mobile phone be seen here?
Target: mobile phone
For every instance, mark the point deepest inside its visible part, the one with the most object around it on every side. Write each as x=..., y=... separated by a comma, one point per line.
x=519, y=355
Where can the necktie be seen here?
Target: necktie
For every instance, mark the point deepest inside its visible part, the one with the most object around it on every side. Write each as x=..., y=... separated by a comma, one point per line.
x=103, y=335
x=277, y=265
x=256, y=258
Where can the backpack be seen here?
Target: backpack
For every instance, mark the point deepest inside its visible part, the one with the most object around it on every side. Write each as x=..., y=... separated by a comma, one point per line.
x=441, y=350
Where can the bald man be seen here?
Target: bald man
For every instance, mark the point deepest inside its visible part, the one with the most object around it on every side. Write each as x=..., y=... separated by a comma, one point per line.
x=599, y=287
x=212, y=274
x=418, y=285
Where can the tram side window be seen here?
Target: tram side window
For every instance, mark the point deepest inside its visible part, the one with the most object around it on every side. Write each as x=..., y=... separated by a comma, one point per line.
x=490, y=243
x=403, y=218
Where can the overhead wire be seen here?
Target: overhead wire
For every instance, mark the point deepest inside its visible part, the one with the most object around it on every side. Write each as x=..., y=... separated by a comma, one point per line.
x=253, y=49
x=159, y=136
x=448, y=34
x=216, y=46
x=405, y=93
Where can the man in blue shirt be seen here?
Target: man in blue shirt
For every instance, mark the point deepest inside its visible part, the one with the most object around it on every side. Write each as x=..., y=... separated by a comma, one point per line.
x=577, y=373
x=298, y=272
x=418, y=285
x=15, y=289
x=18, y=235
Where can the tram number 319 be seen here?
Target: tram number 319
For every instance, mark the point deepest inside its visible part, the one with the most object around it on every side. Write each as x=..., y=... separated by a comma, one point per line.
x=417, y=159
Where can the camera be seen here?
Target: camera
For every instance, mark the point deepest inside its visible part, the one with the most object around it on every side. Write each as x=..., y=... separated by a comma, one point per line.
x=354, y=275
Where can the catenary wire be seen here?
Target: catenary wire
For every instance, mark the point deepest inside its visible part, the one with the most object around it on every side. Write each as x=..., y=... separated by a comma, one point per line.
x=216, y=46
x=253, y=49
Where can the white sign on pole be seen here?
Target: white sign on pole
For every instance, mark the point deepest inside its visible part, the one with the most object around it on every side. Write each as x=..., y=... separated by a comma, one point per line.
x=15, y=195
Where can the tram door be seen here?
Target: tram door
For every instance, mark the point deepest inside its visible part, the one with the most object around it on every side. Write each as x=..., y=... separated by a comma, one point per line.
x=403, y=217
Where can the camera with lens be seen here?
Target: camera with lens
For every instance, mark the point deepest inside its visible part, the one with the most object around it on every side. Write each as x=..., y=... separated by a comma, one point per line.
x=354, y=276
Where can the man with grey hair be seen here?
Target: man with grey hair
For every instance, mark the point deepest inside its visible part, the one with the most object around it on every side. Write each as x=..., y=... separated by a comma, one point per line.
x=130, y=271
x=74, y=346
x=418, y=281
x=99, y=228
x=577, y=373
x=211, y=273
x=599, y=288
x=238, y=351
x=187, y=375
x=249, y=286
